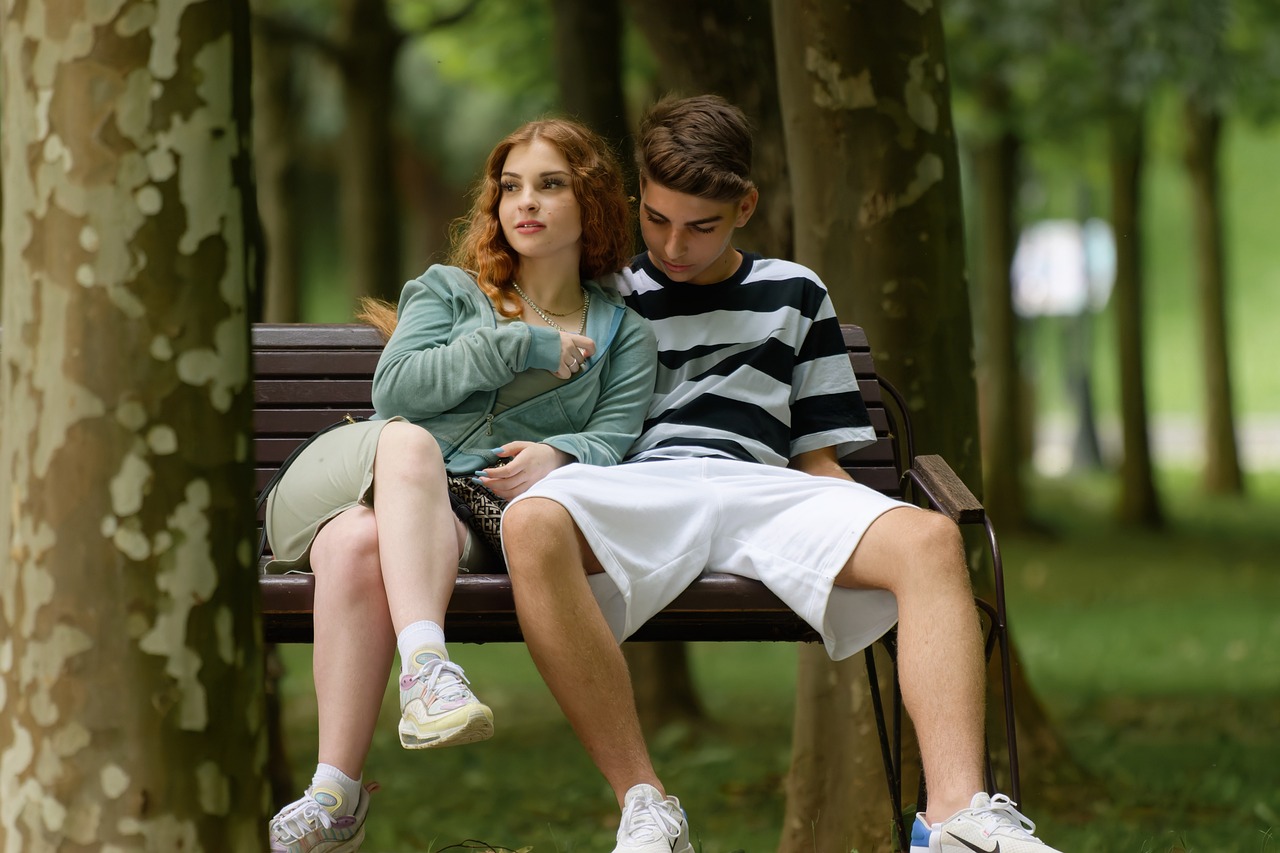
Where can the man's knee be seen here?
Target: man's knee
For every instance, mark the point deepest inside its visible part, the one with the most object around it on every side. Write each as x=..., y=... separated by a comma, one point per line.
x=539, y=535
x=906, y=546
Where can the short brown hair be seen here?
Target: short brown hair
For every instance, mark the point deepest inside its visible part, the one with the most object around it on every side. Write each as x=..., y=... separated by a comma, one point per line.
x=699, y=146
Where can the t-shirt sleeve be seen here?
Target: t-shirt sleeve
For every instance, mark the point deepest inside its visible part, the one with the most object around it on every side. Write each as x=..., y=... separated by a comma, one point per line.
x=827, y=409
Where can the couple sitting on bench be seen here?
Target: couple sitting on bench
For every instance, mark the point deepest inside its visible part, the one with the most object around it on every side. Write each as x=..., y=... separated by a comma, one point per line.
x=527, y=366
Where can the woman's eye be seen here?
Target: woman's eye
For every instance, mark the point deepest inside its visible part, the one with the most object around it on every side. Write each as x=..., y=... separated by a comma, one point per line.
x=552, y=183
x=508, y=187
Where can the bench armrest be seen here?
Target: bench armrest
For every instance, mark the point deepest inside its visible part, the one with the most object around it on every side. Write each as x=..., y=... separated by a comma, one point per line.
x=945, y=490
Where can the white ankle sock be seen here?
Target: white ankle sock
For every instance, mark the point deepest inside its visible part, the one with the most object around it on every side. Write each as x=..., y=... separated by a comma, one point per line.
x=331, y=780
x=420, y=637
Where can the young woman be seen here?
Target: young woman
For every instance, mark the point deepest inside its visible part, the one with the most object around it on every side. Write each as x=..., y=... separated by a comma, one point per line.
x=506, y=365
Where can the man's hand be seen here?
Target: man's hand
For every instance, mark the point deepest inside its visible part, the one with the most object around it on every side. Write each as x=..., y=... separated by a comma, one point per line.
x=820, y=463
x=529, y=463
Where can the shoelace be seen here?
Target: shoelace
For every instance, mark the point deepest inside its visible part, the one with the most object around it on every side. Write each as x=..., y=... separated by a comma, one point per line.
x=1001, y=817
x=299, y=818
x=651, y=820
x=445, y=679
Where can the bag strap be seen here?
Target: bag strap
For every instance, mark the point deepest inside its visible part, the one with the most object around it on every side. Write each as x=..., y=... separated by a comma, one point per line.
x=284, y=466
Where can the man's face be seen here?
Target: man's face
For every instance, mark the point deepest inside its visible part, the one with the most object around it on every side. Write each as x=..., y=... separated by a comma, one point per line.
x=691, y=238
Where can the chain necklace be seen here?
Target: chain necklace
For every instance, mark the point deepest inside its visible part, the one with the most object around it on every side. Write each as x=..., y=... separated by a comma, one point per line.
x=547, y=315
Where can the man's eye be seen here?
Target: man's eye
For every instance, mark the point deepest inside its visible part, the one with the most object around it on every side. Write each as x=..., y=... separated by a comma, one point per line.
x=698, y=229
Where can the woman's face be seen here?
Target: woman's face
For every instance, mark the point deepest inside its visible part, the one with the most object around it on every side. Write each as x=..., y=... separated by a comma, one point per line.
x=538, y=211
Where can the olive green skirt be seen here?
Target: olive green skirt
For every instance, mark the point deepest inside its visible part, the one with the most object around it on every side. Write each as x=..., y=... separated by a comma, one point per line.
x=333, y=474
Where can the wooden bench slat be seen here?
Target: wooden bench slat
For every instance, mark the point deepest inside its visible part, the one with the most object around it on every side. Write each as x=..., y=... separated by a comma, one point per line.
x=330, y=393
x=314, y=363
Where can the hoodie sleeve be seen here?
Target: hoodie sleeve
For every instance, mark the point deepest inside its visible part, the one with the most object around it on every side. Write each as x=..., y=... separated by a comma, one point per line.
x=627, y=389
x=445, y=348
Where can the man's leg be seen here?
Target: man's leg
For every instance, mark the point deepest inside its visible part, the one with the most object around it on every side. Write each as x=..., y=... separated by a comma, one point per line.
x=919, y=557
x=571, y=643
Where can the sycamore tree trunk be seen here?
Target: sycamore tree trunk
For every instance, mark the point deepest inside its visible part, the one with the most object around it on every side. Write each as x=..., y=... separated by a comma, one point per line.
x=1139, y=503
x=995, y=166
x=1221, y=455
x=131, y=700
x=876, y=183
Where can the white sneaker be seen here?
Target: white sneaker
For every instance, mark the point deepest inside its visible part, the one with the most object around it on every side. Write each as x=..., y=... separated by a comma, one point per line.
x=437, y=708
x=307, y=825
x=652, y=824
x=989, y=825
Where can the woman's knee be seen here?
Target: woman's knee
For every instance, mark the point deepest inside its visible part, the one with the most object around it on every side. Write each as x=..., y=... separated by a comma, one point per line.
x=410, y=450
x=345, y=552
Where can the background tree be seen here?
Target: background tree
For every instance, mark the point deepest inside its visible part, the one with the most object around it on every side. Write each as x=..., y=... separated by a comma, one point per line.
x=1207, y=71
x=728, y=49
x=729, y=53
x=128, y=599
x=876, y=187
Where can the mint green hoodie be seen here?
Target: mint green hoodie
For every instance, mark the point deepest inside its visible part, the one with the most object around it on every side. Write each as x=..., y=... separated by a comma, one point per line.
x=449, y=356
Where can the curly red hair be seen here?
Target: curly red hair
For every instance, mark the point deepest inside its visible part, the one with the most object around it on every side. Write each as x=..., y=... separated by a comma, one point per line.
x=479, y=244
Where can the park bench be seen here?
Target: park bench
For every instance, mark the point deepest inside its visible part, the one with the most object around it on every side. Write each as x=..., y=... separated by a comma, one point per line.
x=307, y=377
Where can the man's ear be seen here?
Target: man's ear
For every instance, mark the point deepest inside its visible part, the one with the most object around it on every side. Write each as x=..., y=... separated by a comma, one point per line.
x=747, y=207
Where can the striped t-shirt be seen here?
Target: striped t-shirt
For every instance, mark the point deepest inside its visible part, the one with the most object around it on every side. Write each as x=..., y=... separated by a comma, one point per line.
x=751, y=368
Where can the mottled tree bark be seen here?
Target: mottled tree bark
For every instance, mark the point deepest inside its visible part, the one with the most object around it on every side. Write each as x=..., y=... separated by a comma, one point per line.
x=1139, y=503
x=1222, y=473
x=876, y=185
x=131, y=700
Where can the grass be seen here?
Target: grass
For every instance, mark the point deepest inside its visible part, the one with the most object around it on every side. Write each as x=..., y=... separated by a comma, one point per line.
x=1157, y=656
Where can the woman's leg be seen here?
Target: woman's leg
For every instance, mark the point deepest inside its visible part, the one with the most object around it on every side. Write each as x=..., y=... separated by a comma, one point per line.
x=419, y=537
x=354, y=641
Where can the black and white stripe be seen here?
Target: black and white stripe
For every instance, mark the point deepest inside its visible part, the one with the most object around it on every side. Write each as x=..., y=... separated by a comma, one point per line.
x=752, y=368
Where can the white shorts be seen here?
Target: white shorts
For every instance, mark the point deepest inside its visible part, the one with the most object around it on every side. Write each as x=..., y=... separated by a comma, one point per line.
x=656, y=525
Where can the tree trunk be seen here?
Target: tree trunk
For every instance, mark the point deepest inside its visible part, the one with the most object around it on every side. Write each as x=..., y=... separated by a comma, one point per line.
x=588, y=61
x=730, y=53
x=995, y=165
x=1139, y=503
x=276, y=160
x=1222, y=459
x=589, y=73
x=727, y=48
x=876, y=187
x=131, y=706
x=367, y=45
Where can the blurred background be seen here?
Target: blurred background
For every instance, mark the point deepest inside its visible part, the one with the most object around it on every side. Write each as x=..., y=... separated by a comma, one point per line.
x=1131, y=436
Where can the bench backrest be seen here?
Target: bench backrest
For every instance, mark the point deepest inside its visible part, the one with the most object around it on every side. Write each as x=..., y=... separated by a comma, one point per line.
x=309, y=376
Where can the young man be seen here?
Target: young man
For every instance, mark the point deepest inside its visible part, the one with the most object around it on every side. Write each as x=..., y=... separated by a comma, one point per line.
x=737, y=471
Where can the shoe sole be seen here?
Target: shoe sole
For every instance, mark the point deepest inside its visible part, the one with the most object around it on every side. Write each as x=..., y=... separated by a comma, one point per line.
x=351, y=845
x=477, y=727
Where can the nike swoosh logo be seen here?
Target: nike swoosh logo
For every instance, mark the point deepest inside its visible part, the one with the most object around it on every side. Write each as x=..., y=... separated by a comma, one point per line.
x=975, y=847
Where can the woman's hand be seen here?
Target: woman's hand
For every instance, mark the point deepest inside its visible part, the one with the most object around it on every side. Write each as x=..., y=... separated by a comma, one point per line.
x=530, y=462
x=574, y=349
